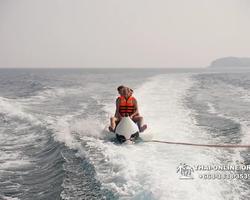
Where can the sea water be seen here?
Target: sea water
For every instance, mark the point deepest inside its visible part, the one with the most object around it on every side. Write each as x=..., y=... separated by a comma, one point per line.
x=54, y=143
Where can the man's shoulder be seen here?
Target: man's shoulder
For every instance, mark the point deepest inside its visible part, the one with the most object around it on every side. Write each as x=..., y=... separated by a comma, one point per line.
x=133, y=98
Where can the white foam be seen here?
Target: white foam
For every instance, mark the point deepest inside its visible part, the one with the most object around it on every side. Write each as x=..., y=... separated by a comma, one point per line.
x=15, y=135
x=13, y=109
x=149, y=170
x=10, y=198
x=239, y=92
x=211, y=109
x=62, y=132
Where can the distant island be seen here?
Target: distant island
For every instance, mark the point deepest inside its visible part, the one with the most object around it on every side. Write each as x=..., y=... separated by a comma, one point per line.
x=230, y=62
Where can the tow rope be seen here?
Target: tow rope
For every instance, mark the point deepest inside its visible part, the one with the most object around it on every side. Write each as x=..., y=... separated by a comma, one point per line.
x=191, y=144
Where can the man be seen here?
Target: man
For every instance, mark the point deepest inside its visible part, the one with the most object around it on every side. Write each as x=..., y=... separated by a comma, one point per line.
x=131, y=92
x=120, y=92
x=126, y=104
x=117, y=118
x=120, y=89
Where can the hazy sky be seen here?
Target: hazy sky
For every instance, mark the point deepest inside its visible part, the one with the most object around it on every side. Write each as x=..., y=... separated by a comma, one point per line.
x=128, y=33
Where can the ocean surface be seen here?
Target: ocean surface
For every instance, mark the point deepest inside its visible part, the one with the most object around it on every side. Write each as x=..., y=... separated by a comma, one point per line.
x=54, y=142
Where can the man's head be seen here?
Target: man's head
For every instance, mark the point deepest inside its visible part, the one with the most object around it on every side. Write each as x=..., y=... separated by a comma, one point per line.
x=126, y=92
x=120, y=89
x=131, y=91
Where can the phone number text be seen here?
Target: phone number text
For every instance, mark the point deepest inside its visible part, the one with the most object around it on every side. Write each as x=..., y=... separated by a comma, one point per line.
x=223, y=176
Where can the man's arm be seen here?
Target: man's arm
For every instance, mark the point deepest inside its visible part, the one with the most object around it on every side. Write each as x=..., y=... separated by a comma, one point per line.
x=135, y=108
x=117, y=113
x=116, y=107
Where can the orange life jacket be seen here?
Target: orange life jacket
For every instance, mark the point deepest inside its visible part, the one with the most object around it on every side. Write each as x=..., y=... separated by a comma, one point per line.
x=126, y=106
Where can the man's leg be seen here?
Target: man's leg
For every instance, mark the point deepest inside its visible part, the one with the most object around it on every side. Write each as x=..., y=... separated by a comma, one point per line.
x=112, y=126
x=139, y=119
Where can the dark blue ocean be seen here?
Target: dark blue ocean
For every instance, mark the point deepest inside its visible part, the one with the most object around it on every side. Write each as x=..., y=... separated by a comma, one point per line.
x=54, y=142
